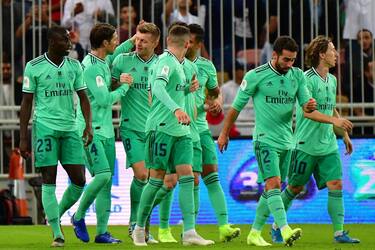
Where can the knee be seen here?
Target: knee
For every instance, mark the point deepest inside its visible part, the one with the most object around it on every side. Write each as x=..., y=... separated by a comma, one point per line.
x=208, y=169
x=141, y=176
x=196, y=181
x=334, y=185
x=273, y=183
x=295, y=189
x=170, y=183
x=80, y=181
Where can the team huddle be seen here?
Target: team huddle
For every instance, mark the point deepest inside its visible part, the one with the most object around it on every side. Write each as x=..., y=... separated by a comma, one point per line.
x=164, y=99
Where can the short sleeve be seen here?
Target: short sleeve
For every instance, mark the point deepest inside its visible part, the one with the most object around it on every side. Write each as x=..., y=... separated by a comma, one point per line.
x=79, y=83
x=29, y=83
x=247, y=89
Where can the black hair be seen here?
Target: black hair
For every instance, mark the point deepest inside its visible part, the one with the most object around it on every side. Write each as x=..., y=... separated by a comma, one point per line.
x=100, y=33
x=285, y=43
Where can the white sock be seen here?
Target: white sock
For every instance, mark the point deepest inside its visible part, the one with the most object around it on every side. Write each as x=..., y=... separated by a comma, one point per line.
x=190, y=232
x=139, y=228
x=338, y=233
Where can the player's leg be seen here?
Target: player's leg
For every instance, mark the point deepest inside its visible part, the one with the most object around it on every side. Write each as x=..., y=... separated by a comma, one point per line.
x=72, y=160
x=157, y=150
x=300, y=170
x=197, y=170
x=50, y=205
x=164, y=197
x=330, y=175
x=103, y=199
x=182, y=159
x=98, y=166
x=272, y=172
x=134, y=143
x=136, y=187
x=216, y=194
x=46, y=151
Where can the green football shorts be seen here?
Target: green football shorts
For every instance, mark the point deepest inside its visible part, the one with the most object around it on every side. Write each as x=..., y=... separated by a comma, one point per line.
x=134, y=144
x=324, y=168
x=165, y=152
x=197, y=157
x=100, y=155
x=51, y=145
x=271, y=161
x=209, y=155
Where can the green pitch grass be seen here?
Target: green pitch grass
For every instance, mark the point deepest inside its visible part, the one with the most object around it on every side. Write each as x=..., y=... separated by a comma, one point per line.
x=314, y=237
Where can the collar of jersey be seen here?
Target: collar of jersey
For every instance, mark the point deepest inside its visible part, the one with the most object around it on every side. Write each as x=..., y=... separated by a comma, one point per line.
x=101, y=60
x=183, y=60
x=57, y=66
x=195, y=59
x=273, y=69
x=149, y=60
x=316, y=72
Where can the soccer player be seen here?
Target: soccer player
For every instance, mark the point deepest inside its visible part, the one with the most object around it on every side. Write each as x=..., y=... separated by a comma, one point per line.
x=135, y=108
x=208, y=80
x=165, y=194
x=316, y=145
x=274, y=87
x=168, y=146
x=100, y=154
x=52, y=78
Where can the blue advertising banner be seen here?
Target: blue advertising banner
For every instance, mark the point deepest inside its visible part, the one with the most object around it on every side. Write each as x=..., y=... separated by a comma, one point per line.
x=238, y=174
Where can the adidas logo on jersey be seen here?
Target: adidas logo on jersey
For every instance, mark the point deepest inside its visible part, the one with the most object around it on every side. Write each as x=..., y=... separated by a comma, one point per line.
x=48, y=77
x=133, y=70
x=269, y=84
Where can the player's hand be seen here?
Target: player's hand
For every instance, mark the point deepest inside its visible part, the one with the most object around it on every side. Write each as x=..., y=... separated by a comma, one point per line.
x=182, y=117
x=222, y=142
x=343, y=123
x=134, y=37
x=348, y=145
x=194, y=84
x=126, y=78
x=25, y=153
x=214, y=107
x=310, y=106
x=87, y=136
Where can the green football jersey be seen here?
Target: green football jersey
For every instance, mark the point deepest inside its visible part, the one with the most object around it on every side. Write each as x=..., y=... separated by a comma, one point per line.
x=170, y=70
x=207, y=79
x=134, y=106
x=97, y=77
x=53, y=87
x=313, y=137
x=274, y=95
x=191, y=69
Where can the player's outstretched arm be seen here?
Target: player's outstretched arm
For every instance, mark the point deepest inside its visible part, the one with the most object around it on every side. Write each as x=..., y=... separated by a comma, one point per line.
x=25, y=114
x=223, y=139
x=336, y=121
x=86, y=111
x=345, y=135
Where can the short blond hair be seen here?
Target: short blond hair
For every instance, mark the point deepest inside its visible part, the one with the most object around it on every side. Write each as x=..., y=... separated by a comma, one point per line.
x=149, y=28
x=177, y=34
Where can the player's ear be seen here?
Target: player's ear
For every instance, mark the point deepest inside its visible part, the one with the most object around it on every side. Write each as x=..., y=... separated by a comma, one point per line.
x=105, y=43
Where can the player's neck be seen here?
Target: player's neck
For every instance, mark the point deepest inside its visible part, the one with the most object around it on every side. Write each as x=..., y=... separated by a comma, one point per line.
x=56, y=59
x=146, y=57
x=192, y=56
x=322, y=70
x=101, y=53
x=178, y=53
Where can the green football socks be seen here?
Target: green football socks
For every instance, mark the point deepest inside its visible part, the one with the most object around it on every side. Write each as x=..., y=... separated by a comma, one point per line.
x=217, y=197
x=51, y=208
